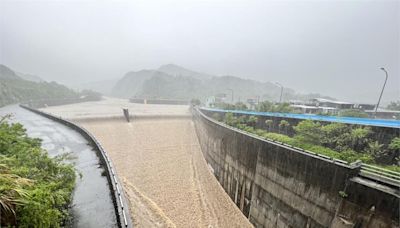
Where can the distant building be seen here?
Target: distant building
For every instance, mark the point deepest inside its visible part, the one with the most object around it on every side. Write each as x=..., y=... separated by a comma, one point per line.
x=321, y=105
x=365, y=107
x=384, y=114
x=321, y=102
x=331, y=107
x=296, y=102
x=210, y=102
x=252, y=103
x=220, y=97
x=328, y=110
x=305, y=108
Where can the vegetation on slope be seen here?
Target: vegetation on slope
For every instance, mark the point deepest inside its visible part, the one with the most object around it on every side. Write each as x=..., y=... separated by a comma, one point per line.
x=353, y=113
x=175, y=82
x=35, y=189
x=14, y=89
x=394, y=105
x=335, y=140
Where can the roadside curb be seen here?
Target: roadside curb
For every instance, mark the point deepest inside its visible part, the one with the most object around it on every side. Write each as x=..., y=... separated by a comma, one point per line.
x=118, y=197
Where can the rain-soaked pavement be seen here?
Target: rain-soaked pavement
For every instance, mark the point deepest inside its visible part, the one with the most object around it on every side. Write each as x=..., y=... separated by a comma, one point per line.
x=92, y=204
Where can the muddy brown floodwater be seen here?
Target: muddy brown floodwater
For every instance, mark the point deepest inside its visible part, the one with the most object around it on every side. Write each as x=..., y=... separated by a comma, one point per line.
x=165, y=176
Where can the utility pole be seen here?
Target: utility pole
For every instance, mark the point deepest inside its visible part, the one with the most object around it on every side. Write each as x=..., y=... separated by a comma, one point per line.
x=280, y=97
x=380, y=96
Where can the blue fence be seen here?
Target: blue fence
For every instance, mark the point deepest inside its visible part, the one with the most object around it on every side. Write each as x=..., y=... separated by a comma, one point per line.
x=347, y=120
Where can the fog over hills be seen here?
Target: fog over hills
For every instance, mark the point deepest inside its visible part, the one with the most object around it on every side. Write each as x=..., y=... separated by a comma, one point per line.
x=7, y=73
x=176, y=82
x=176, y=70
x=30, y=77
x=103, y=86
x=14, y=89
x=334, y=48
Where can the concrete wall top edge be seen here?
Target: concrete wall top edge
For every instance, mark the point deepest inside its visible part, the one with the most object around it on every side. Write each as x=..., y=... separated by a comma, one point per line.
x=283, y=145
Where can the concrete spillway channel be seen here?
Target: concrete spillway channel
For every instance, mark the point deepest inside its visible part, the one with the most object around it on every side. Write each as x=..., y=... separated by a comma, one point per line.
x=157, y=156
x=93, y=203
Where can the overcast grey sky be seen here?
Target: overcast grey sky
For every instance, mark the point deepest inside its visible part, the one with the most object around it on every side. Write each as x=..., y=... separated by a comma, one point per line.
x=331, y=47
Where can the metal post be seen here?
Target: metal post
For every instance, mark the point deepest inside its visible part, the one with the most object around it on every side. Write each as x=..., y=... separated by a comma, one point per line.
x=126, y=114
x=380, y=96
x=280, y=97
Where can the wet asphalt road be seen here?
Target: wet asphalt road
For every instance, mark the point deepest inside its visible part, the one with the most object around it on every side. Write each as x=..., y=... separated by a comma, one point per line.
x=92, y=204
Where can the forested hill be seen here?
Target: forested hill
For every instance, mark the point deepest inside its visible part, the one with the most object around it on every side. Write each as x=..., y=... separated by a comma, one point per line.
x=14, y=89
x=172, y=81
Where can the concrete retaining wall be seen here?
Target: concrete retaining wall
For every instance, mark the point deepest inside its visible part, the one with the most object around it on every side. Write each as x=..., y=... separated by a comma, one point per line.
x=383, y=135
x=120, y=203
x=275, y=185
x=40, y=103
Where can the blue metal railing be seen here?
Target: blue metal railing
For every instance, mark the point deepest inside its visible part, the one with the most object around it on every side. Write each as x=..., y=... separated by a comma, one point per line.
x=371, y=172
x=348, y=120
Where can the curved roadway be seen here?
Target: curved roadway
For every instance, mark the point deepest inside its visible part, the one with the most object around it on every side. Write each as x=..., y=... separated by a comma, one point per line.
x=92, y=204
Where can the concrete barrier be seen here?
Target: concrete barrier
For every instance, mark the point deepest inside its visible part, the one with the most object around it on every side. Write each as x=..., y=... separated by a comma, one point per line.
x=276, y=185
x=159, y=101
x=120, y=203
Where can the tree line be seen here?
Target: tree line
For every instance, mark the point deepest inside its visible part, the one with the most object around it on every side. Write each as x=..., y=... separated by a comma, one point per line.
x=336, y=140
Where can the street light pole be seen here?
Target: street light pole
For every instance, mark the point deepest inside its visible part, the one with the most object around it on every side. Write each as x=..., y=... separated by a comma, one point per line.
x=232, y=94
x=280, y=97
x=380, y=96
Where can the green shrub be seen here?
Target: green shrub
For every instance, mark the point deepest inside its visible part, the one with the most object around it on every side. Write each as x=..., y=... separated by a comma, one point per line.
x=35, y=189
x=229, y=119
x=395, y=144
x=267, y=106
x=353, y=113
x=252, y=121
x=283, y=126
x=269, y=124
x=341, y=137
x=312, y=137
x=195, y=102
x=279, y=137
x=309, y=131
x=240, y=106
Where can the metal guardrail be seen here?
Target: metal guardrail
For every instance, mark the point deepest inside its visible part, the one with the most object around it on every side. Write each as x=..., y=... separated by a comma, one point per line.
x=281, y=144
x=375, y=173
x=380, y=174
x=347, y=120
x=122, y=210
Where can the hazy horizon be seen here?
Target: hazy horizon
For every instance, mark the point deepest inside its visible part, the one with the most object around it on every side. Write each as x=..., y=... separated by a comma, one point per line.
x=330, y=47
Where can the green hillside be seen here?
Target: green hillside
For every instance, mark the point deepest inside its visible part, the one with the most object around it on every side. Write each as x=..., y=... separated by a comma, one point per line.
x=14, y=89
x=174, y=82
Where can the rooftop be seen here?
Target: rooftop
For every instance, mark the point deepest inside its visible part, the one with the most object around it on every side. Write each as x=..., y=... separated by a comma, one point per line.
x=323, y=100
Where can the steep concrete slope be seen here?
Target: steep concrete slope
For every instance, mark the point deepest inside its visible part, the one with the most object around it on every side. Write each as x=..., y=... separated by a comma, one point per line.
x=165, y=176
x=157, y=156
